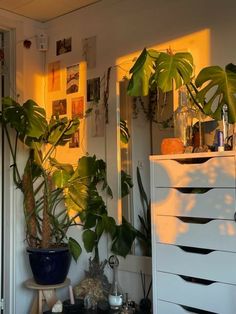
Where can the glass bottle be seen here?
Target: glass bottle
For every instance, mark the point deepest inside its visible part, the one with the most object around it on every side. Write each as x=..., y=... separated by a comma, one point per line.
x=115, y=297
x=183, y=118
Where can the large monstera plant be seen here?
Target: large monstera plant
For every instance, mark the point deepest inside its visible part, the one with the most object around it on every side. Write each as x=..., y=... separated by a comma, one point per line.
x=210, y=90
x=58, y=195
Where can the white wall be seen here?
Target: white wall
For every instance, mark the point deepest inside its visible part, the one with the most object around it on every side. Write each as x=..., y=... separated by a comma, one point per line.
x=29, y=84
x=121, y=27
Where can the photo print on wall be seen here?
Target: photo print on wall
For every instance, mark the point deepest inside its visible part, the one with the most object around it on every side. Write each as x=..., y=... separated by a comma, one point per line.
x=72, y=79
x=77, y=107
x=74, y=142
x=59, y=107
x=93, y=89
x=54, y=76
x=89, y=51
x=63, y=46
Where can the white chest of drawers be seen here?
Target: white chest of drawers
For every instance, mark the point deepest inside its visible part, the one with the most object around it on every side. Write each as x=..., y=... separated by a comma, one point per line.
x=193, y=233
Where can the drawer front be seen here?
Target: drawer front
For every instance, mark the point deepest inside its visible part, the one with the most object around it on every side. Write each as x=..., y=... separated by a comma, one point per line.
x=164, y=307
x=205, y=265
x=215, y=297
x=213, y=235
x=213, y=172
x=214, y=203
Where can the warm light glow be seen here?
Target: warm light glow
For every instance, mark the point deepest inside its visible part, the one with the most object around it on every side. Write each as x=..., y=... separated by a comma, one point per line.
x=198, y=44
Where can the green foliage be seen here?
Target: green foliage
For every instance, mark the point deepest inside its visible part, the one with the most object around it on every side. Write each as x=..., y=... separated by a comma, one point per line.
x=212, y=88
x=126, y=183
x=124, y=132
x=56, y=195
x=145, y=220
x=219, y=87
x=141, y=73
x=169, y=68
x=159, y=69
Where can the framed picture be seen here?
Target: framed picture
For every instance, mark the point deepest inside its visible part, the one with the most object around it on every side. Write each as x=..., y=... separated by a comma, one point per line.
x=72, y=79
x=54, y=76
x=75, y=140
x=63, y=46
x=59, y=107
x=77, y=107
x=93, y=89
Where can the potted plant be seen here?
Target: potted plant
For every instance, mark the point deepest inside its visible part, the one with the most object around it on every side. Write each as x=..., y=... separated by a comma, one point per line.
x=210, y=90
x=56, y=195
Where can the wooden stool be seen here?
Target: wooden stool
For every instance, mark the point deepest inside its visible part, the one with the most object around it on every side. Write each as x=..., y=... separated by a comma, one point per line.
x=45, y=293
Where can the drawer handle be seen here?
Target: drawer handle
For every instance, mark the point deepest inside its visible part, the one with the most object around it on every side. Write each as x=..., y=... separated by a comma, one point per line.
x=192, y=160
x=195, y=250
x=195, y=280
x=195, y=220
x=194, y=310
x=193, y=190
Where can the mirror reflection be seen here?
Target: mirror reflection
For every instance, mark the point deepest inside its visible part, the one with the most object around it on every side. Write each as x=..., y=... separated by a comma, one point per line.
x=148, y=121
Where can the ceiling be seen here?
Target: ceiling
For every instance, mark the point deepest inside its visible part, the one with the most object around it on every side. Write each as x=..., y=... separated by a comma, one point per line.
x=44, y=10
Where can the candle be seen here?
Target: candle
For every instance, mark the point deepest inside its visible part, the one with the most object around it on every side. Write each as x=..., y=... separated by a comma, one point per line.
x=72, y=300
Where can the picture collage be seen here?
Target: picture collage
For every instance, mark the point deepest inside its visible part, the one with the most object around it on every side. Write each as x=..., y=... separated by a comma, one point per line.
x=69, y=90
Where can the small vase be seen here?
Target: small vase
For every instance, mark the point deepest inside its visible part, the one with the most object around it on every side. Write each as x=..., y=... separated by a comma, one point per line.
x=183, y=119
x=115, y=297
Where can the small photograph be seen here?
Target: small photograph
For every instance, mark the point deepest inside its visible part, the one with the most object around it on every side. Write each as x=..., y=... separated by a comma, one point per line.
x=77, y=107
x=98, y=121
x=63, y=46
x=93, y=89
x=59, y=107
x=89, y=51
x=74, y=143
x=72, y=79
x=54, y=78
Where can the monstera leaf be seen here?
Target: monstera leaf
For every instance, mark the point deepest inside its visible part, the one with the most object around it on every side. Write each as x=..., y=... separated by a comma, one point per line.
x=173, y=67
x=29, y=120
x=141, y=73
x=219, y=89
x=61, y=130
x=160, y=69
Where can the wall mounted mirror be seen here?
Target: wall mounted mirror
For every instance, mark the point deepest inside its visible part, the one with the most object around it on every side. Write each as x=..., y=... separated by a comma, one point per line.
x=149, y=120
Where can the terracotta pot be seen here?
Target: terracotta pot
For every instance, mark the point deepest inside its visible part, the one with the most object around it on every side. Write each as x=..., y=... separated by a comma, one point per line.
x=172, y=145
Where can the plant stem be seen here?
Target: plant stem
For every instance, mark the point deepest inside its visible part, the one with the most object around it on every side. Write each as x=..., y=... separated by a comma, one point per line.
x=16, y=173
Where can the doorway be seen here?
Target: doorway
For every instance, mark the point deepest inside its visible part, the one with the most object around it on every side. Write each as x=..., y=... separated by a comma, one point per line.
x=6, y=84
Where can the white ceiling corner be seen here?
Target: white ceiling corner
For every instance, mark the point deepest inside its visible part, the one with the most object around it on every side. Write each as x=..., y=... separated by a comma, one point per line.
x=44, y=10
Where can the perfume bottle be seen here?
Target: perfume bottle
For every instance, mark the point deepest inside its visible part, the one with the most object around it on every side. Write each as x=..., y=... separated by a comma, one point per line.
x=115, y=296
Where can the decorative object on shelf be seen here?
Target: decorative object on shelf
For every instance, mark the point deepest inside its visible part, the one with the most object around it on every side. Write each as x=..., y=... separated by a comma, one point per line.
x=95, y=286
x=145, y=303
x=172, y=145
x=57, y=307
x=183, y=118
x=115, y=296
x=213, y=87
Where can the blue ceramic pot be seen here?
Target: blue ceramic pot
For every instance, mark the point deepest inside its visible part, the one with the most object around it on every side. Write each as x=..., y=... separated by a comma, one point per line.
x=49, y=266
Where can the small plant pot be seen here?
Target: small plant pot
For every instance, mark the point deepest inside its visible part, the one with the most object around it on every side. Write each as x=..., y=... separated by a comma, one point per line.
x=49, y=266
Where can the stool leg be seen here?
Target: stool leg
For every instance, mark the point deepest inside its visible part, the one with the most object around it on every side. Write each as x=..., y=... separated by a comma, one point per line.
x=40, y=302
x=34, y=307
x=50, y=297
